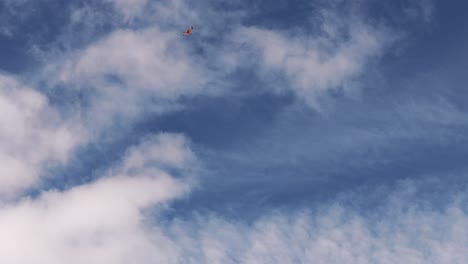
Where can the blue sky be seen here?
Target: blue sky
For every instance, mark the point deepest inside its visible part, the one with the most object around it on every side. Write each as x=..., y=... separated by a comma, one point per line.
x=279, y=132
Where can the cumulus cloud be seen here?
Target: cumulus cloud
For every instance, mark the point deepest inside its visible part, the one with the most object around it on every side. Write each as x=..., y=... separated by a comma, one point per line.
x=32, y=134
x=108, y=221
x=103, y=221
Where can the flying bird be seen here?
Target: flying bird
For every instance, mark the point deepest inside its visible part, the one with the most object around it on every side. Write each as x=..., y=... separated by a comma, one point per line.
x=188, y=31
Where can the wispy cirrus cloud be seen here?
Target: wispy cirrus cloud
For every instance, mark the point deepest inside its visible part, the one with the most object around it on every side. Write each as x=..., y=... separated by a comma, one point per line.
x=420, y=10
x=332, y=54
x=129, y=8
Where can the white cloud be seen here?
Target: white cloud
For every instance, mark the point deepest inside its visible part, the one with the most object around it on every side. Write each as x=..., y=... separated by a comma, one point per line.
x=167, y=150
x=401, y=231
x=148, y=59
x=99, y=222
x=31, y=135
x=129, y=8
x=331, y=58
x=141, y=63
x=111, y=221
x=107, y=222
x=127, y=69
x=96, y=223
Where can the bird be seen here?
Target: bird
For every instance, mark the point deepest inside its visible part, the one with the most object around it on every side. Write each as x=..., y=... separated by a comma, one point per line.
x=188, y=31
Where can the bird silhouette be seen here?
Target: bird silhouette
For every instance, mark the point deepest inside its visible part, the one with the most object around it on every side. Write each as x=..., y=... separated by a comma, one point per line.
x=188, y=31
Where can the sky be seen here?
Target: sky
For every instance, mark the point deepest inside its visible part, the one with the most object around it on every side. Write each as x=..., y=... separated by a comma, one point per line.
x=279, y=132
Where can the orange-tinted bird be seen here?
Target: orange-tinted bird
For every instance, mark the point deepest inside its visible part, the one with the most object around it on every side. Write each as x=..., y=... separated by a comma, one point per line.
x=188, y=31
